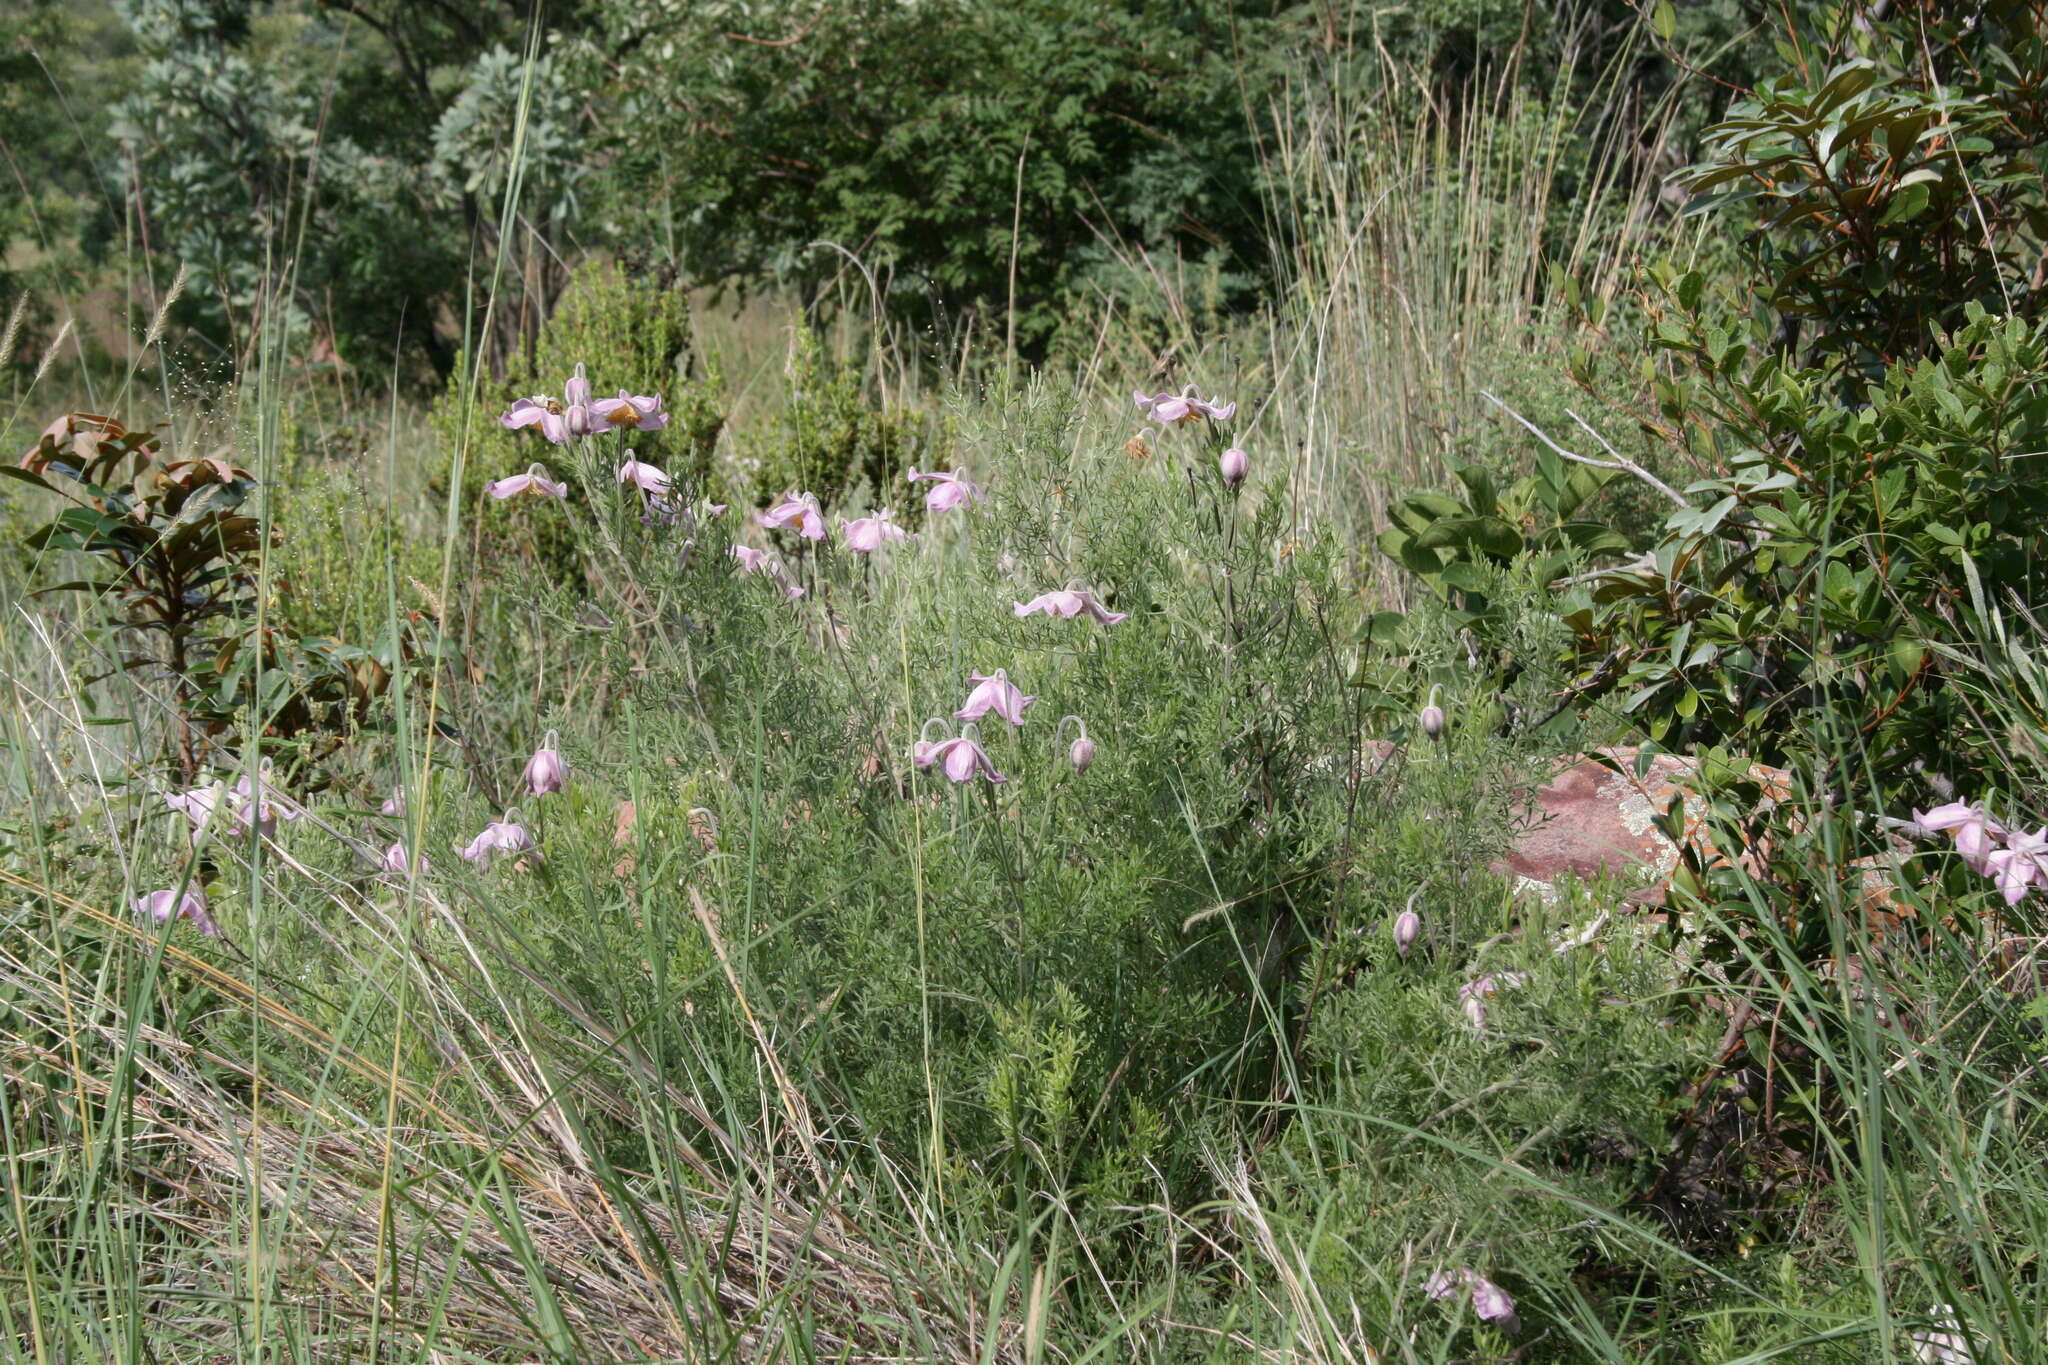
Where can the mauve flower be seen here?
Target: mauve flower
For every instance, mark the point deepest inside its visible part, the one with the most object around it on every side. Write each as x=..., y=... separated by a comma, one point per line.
x=1234, y=465
x=1407, y=928
x=996, y=693
x=2022, y=862
x=1943, y=1341
x=1184, y=406
x=396, y=864
x=948, y=490
x=394, y=804
x=500, y=836
x=798, y=512
x=253, y=805
x=642, y=412
x=561, y=422
x=546, y=771
x=198, y=804
x=961, y=757
x=868, y=534
x=643, y=476
x=1472, y=996
x=534, y=480
x=1975, y=832
x=1067, y=603
x=1490, y=1303
x=761, y=562
x=163, y=906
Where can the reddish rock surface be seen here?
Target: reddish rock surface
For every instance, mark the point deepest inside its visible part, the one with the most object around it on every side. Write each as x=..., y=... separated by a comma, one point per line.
x=1591, y=820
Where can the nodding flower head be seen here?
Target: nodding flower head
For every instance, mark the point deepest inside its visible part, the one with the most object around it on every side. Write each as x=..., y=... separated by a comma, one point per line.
x=641, y=412
x=547, y=771
x=643, y=476
x=865, y=535
x=394, y=804
x=1976, y=834
x=165, y=906
x=535, y=481
x=1233, y=464
x=560, y=420
x=1490, y=1303
x=500, y=836
x=959, y=757
x=948, y=490
x=768, y=566
x=1172, y=408
x=1407, y=927
x=1067, y=603
x=1432, y=718
x=395, y=863
x=256, y=805
x=1082, y=751
x=1473, y=995
x=798, y=512
x=994, y=692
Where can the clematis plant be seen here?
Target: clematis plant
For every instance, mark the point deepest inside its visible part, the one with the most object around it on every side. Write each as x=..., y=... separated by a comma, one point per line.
x=547, y=771
x=253, y=803
x=1971, y=826
x=560, y=421
x=1081, y=752
x=1173, y=408
x=959, y=757
x=396, y=863
x=165, y=906
x=761, y=562
x=534, y=481
x=1490, y=1303
x=500, y=836
x=644, y=476
x=948, y=490
x=1069, y=602
x=865, y=535
x=2023, y=862
x=797, y=512
x=1233, y=464
x=994, y=692
x=640, y=412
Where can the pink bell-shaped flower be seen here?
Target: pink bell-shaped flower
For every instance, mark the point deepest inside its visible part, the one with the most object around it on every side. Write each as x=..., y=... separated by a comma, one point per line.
x=534, y=481
x=797, y=512
x=547, y=771
x=500, y=836
x=948, y=490
x=643, y=476
x=1067, y=603
x=640, y=412
x=994, y=692
x=865, y=535
x=164, y=906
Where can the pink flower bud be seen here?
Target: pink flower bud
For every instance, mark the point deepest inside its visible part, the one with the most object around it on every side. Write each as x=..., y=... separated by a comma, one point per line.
x=1407, y=928
x=547, y=771
x=1235, y=464
x=1081, y=754
x=1432, y=717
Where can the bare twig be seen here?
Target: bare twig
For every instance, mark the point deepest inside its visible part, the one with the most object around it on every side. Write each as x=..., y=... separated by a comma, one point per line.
x=1620, y=462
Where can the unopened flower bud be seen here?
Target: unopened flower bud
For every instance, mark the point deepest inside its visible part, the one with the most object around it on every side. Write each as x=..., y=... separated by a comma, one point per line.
x=1082, y=751
x=1407, y=928
x=1432, y=717
x=1235, y=464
